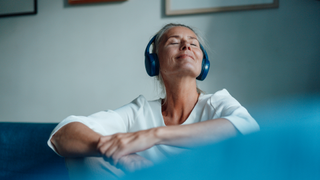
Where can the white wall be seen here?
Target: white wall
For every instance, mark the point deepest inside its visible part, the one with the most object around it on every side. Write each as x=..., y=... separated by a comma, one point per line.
x=82, y=59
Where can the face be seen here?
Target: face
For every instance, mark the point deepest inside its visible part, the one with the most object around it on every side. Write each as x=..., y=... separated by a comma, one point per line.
x=179, y=53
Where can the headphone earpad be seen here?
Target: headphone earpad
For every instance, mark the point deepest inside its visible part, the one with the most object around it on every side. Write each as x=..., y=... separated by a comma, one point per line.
x=151, y=60
x=152, y=64
x=205, y=65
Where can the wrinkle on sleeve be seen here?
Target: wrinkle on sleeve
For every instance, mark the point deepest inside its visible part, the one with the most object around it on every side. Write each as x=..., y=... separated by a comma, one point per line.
x=229, y=108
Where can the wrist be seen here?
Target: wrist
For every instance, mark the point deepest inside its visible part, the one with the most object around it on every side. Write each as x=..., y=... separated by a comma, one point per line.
x=158, y=135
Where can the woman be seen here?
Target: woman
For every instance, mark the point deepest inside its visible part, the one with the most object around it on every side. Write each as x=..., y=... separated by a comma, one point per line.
x=143, y=132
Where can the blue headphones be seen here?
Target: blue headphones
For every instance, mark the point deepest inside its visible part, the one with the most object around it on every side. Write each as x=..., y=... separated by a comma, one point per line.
x=152, y=62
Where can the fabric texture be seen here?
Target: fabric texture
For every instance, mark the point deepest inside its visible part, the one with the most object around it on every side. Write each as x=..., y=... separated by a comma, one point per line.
x=24, y=153
x=141, y=114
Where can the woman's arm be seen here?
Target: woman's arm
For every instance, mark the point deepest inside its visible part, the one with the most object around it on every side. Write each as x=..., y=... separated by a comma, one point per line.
x=76, y=140
x=196, y=134
x=121, y=144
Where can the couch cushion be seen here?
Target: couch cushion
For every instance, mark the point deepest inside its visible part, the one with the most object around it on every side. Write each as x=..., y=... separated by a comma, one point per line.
x=24, y=153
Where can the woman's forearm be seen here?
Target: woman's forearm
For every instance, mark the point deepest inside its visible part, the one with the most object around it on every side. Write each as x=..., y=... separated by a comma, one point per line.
x=196, y=134
x=75, y=140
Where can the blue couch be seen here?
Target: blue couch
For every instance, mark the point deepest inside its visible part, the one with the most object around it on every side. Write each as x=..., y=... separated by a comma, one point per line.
x=24, y=153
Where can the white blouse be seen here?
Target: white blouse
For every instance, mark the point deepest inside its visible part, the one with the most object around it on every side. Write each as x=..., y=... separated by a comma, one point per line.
x=141, y=114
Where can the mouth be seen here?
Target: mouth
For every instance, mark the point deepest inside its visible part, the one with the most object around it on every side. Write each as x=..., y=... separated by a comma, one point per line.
x=182, y=56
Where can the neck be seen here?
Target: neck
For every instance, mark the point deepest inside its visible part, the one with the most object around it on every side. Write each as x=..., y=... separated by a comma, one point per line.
x=181, y=97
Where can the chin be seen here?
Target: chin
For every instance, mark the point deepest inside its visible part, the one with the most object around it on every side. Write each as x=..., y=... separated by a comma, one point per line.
x=189, y=72
x=190, y=69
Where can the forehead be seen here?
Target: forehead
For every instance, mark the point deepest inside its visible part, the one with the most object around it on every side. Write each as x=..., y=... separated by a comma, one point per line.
x=179, y=31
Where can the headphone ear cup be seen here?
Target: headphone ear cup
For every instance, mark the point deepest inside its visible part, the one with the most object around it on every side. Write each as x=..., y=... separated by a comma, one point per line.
x=151, y=60
x=152, y=64
x=205, y=65
x=204, y=69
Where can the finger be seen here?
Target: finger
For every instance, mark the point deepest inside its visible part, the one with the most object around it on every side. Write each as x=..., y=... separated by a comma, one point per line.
x=125, y=147
x=102, y=141
x=108, y=145
x=104, y=147
x=119, y=154
x=110, y=153
x=112, y=147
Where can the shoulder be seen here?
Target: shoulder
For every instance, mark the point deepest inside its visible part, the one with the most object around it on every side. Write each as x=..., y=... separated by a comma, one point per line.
x=142, y=102
x=221, y=95
x=140, y=99
x=141, y=114
x=135, y=108
x=229, y=108
x=220, y=98
x=138, y=103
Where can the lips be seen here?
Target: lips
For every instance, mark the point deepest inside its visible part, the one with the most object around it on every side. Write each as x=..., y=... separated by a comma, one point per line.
x=184, y=56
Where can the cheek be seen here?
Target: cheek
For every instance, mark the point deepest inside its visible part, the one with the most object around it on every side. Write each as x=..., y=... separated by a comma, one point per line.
x=199, y=56
x=164, y=57
x=161, y=58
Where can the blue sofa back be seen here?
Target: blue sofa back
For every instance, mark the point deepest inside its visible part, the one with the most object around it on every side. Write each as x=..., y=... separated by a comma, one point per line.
x=24, y=153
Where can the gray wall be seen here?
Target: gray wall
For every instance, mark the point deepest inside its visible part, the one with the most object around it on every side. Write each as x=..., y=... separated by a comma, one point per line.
x=82, y=59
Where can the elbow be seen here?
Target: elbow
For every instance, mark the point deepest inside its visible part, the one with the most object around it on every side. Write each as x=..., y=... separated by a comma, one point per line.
x=55, y=143
x=58, y=145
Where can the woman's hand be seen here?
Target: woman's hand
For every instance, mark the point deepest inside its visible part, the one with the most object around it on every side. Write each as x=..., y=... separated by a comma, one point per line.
x=115, y=146
x=133, y=162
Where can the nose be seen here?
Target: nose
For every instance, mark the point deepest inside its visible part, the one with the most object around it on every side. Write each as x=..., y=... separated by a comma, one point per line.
x=185, y=46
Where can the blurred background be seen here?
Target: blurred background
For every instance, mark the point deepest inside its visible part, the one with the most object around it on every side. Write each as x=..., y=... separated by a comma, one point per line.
x=80, y=59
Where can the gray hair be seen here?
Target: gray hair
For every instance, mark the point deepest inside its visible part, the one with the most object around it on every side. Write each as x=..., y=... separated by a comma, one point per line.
x=163, y=30
x=155, y=46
